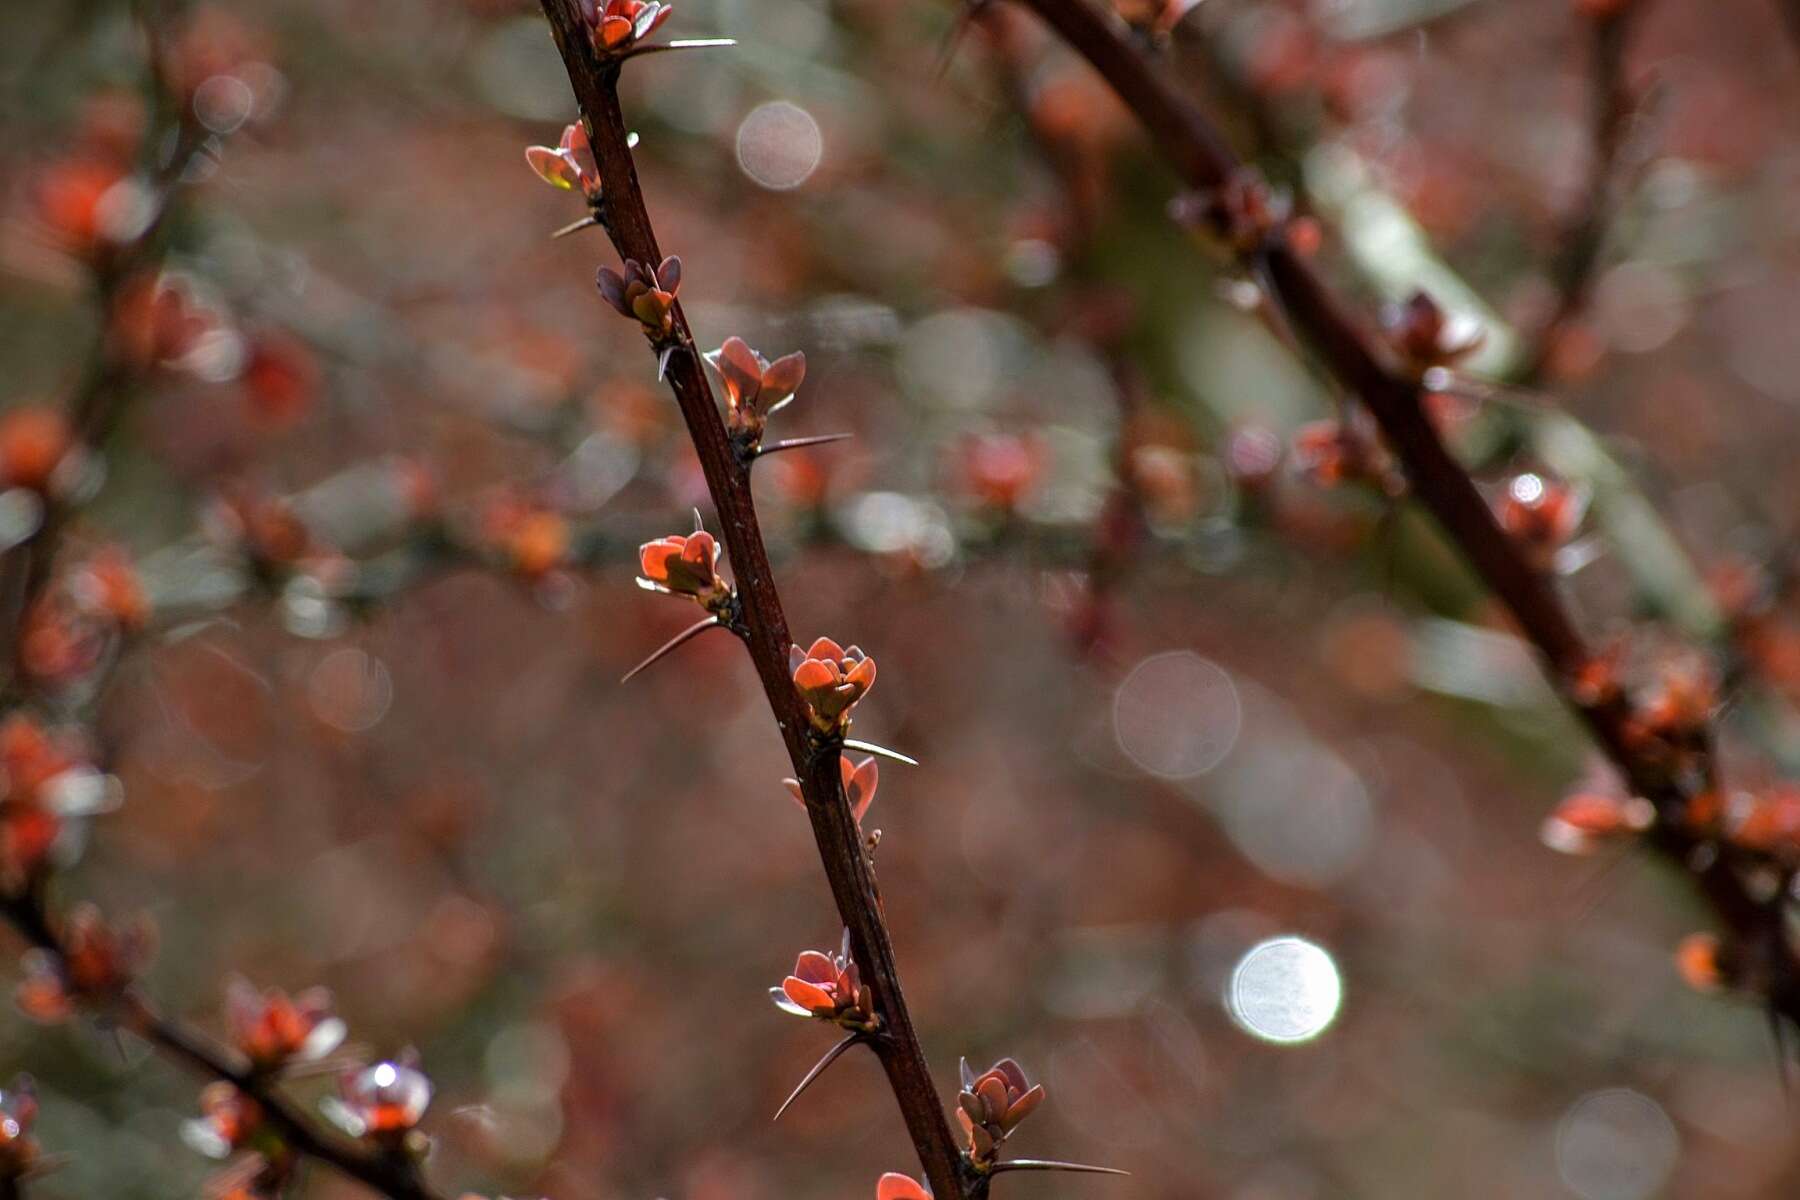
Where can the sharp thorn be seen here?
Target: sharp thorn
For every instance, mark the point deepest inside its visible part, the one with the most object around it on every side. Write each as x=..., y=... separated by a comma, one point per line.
x=662, y=363
x=883, y=751
x=797, y=443
x=669, y=647
x=575, y=226
x=680, y=44
x=1044, y=1164
x=818, y=1069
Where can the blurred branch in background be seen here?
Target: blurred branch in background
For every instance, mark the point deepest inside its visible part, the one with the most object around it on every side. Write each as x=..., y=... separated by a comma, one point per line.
x=82, y=962
x=357, y=677
x=1614, y=109
x=1790, y=15
x=114, y=220
x=1663, y=749
x=1394, y=255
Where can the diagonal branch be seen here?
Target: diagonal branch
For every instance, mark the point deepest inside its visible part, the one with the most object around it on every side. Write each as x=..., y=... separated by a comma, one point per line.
x=1790, y=17
x=1611, y=106
x=390, y=1175
x=840, y=842
x=1198, y=153
x=99, y=404
x=92, y=414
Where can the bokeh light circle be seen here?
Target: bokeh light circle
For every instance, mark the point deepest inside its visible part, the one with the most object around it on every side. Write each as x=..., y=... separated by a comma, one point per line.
x=1616, y=1144
x=1284, y=990
x=223, y=102
x=1177, y=715
x=350, y=690
x=779, y=145
x=1295, y=809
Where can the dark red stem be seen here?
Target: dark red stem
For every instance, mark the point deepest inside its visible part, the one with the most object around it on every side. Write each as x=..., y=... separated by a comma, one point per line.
x=815, y=763
x=1578, y=254
x=1192, y=145
x=381, y=1171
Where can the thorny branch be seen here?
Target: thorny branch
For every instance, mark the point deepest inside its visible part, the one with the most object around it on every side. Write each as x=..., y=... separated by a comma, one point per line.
x=26, y=570
x=1612, y=107
x=1198, y=153
x=765, y=630
x=100, y=402
x=389, y=1173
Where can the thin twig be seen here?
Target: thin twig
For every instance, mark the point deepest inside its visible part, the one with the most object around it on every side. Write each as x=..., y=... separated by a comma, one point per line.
x=26, y=568
x=1119, y=527
x=840, y=843
x=381, y=1171
x=1199, y=154
x=100, y=402
x=1790, y=17
x=1611, y=106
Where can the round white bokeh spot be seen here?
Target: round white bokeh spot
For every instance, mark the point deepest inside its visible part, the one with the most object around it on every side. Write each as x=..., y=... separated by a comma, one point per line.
x=223, y=102
x=1284, y=990
x=1177, y=715
x=1616, y=1144
x=350, y=690
x=779, y=145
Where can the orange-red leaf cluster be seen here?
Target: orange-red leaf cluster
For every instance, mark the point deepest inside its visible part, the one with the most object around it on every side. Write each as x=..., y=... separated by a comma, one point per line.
x=831, y=679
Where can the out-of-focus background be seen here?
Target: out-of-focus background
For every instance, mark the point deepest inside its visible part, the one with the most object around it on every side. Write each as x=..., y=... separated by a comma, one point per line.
x=1172, y=700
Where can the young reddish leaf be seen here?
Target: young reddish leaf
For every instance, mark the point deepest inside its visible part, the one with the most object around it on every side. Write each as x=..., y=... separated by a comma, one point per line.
x=859, y=785
x=895, y=1186
x=18, y=1112
x=810, y=996
x=685, y=566
x=1023, y=1107
x=385, y=1100
x=1585, y=820
x=814, y=674
x=1697, y=960
x=815, y=967
x=827, y=987
x=832, y=680
x=739, y=366
x=34, y=440
x=551, y=167
x=614, y=32
x=784, y=376
x=612, y=289
x=272, y=1029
